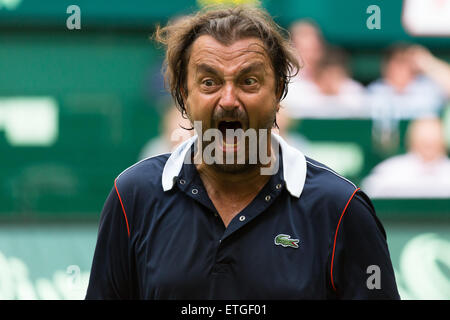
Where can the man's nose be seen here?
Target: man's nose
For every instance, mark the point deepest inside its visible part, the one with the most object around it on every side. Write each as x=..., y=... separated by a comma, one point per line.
x=228, y=100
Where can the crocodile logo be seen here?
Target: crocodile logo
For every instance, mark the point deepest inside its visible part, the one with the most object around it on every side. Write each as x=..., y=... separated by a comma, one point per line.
x=286, y=241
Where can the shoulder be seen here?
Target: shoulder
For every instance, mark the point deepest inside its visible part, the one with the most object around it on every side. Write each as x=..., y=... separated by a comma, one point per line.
x=337, y=193
x=424, y=81
x=328, y=197
x=398, y=163
x=145, y=174
x=352, y=86
x=377, y=86
x=326, y=189
x=320, y=175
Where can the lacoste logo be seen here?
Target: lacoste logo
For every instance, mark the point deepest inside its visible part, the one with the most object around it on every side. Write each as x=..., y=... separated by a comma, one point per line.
x=286, y=241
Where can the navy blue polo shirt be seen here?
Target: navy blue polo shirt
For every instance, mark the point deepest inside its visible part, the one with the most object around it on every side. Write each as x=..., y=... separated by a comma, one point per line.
x=308, y=234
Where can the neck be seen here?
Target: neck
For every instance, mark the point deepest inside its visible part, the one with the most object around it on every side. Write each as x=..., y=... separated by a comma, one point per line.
x=242, y=183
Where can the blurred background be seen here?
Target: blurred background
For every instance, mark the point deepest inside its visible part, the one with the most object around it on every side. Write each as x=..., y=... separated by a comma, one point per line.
x=80, y=105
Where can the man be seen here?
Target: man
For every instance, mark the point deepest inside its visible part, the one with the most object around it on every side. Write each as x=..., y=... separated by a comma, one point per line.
x=179, y=226
x=422, y=172
x=412, y=85
x=330, y=93
x=171, y=135
x=310, y=46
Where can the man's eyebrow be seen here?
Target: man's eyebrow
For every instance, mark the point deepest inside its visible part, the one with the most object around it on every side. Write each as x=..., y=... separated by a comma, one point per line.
x=205, y=68
x=255, y=66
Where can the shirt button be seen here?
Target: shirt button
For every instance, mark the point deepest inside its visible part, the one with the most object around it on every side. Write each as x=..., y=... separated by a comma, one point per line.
x=194, y=191
x=241, y=218
x=278, y=186
x=267, y=198
x=182, y=181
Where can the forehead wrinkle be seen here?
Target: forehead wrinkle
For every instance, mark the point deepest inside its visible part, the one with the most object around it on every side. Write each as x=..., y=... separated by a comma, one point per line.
x=214, y=54
x=209, y=45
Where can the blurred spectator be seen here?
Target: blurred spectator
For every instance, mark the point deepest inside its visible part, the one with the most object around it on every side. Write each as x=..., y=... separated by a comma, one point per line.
x=309, y=44
x=423, y=172
x=436, y=69
x=295, y=139
x=330, y=92
x=173, y=132
x=408, y=88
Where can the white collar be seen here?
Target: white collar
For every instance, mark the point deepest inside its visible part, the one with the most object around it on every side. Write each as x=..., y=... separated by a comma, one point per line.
x=294, y=165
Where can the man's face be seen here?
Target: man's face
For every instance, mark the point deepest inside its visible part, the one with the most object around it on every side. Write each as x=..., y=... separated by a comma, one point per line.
x=309, y=45
x=399, y=71
x=427, y=140
x=230, y=87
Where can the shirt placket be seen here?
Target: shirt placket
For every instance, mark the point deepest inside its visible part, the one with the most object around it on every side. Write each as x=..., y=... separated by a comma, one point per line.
x=221, y=286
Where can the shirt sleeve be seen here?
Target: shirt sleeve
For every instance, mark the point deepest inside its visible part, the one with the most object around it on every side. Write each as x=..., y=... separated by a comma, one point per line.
x=361, y=267
x=110, y=273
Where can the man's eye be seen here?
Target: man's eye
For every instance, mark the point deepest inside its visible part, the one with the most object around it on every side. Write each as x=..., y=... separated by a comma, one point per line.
x=249, y=81
x=209, y=82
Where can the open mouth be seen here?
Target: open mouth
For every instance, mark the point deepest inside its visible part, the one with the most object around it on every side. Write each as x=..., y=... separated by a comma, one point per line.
x=232, y=140
x=232, y=125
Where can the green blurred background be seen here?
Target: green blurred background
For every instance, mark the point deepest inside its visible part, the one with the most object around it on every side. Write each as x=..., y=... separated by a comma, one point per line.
x=88, y=100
